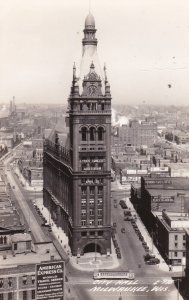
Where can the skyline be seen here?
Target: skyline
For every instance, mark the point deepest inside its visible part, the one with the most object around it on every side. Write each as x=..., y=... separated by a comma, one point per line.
x=145, y=47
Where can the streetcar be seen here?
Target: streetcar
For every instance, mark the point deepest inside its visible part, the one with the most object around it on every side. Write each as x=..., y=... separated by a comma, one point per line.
x=114, y=275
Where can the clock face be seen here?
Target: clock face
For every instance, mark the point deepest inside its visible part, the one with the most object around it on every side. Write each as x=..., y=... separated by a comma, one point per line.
x=92, y=90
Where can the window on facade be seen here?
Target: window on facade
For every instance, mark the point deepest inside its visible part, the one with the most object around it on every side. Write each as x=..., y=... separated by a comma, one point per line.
x=99, y=201
x=91, y=202
x=100, y=233
x=10, y=281
x=25, y=295
x=184, y=254
x=184, y=237
x=83, y=203
x=102, y=106
x=92, y=190
x=83, y=212
x=33, y=279
x=99, y=212
x=83, y=133
x=184, y=244
x=91, y=212
x=176, y=245
x=91, y=222
x=83, y=166
x=24, y=280
x=10, y=296
x=93, y=106
x=83, y=223
x=100, y=189
x=84, y=233
x=99, y=222
x=28, y=245
x=1, y=283
x=83, y=190
x=81, y=106
x=1, y=297
x=100, y=166
x=92, y=134
x=175, y=254
x=100, y=133
x=176, y=237
x=33, y=294
x=15, y=246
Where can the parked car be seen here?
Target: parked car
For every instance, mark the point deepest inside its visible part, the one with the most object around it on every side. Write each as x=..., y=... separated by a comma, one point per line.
x=146, y=248
x=153, y=261
x=148, y=256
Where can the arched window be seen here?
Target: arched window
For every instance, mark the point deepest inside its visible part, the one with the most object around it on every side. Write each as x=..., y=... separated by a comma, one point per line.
x=92, y=134
x=100, y=133
x=83, y=133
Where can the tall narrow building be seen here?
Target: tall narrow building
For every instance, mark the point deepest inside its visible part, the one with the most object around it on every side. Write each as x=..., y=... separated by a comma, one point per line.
x=77, y=176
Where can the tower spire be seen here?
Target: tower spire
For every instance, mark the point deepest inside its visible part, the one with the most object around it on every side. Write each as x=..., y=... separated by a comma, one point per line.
x=105, y=74
x=89, y=31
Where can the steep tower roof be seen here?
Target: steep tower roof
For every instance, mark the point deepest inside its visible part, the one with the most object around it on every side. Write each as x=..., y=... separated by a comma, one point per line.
x=89, y=54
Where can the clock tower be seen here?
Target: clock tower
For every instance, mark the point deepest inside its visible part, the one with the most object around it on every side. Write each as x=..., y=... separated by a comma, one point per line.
x=89, y=109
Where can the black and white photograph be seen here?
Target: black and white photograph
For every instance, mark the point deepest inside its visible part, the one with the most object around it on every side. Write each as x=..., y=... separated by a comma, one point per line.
x=94, y=150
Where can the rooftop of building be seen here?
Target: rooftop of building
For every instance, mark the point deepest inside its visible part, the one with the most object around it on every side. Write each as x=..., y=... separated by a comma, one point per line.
x=165, y=183
x=178, y=166
x=9, y=216
x=172, y=217
x=166, y=192
x=42, y=252
x=21, y=237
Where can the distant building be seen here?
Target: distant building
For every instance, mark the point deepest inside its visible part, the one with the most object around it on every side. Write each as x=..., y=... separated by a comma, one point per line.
x=135, y=134
x=30, y=162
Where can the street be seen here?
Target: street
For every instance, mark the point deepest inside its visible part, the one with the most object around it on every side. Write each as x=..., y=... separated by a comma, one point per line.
x=150, y=282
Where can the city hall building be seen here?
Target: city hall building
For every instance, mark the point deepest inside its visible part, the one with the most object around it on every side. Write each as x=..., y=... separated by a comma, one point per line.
x=77, y=170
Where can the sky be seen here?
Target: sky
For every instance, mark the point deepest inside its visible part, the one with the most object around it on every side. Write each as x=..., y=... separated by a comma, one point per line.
x=144, y=43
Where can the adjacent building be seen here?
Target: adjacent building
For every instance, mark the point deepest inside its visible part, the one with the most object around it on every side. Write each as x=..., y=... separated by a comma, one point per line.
x=18, y=267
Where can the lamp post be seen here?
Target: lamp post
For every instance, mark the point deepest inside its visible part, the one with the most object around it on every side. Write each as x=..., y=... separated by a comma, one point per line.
x=95, y=250
x=120, y=297
x=178, y=287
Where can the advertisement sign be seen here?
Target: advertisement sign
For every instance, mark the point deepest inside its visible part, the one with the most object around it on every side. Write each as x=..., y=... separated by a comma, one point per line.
x=163, y=199
x=50, y=281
